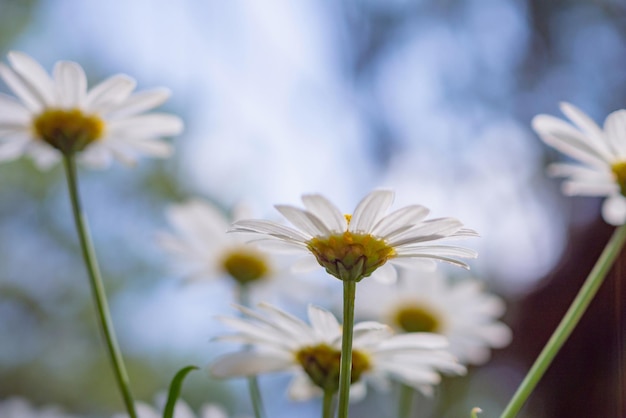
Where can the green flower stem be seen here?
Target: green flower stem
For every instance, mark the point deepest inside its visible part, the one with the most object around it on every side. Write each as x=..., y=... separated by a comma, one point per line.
x=255, y=395
x=327, y=408
x=406, y=401
x=253, y=383
x=569, y=321
x=345, y=367
x=95, y=279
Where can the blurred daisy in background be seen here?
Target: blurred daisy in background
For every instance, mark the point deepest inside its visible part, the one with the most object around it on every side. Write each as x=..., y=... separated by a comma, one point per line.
x=181, y=410
x=602, y=152
x=282, y=342
x=16, y=407
x=205, y=251
x=202, y=250
x=59, y=113
x=430, y=302
x=351, y=247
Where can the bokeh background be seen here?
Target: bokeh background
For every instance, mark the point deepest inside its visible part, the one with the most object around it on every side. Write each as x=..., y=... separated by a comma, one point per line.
x=431, y=98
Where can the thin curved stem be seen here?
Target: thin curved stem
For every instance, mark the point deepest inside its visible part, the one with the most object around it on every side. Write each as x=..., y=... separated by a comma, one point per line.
x=95, y=280
x=345, y=367
x=406, y=401
x=253, y=383
x=569, y=321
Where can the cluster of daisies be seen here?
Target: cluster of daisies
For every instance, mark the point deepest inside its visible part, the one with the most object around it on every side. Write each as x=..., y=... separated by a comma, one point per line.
x=416, y=324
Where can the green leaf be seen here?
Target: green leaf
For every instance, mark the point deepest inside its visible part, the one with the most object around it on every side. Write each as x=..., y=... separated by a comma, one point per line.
x=174, y=393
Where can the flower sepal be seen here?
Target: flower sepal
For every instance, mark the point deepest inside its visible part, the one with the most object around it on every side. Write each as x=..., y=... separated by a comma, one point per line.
x=350, y=257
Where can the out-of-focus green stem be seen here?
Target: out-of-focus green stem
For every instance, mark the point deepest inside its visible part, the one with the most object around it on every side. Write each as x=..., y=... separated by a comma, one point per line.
x=327, y=404
x=345, y=367
x=569, y=321
x=406, y=401
x=95, y=279
x=253, y=383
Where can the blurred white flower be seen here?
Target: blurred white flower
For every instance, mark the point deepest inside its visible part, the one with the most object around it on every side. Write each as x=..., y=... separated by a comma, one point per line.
x=602, y=153
x=282, y=342
x=204, y=249
x=59, y=114
x=181, y=410
x=351, y=247
x=429, y=302
x=16, y=407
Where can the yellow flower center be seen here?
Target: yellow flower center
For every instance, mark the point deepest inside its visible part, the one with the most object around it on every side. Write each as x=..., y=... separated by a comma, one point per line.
x=350, y=256
x=416, y=319
x=245, y=265
x=68, y=130
x=321, y=364
x=619, y=170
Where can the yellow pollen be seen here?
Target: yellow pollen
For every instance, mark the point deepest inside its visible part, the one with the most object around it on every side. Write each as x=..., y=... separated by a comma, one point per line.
x=350, y=256
x=619, y=170
x=348, y=217
x=245, y=265
x=321, y=364
x=68, y=130
x=416, y=319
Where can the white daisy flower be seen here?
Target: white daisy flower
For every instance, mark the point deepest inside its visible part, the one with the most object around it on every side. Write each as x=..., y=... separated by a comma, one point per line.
x=351, y=247
x=58, y=114
x=204, y=249
x=282, y=342
x=181, y=410
x=16, y=407
x=602, y=152
x=429, y=302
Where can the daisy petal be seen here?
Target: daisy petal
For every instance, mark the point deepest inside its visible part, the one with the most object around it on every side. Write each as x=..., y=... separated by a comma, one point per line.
x=587, y=125
x=325, y=211
x=426, y=231
x=12, y=150
x=420, y=264
x=615, y=127
x=446, y=250
x=140, y=102
x=302, y=389
x=400, y=220
x=445, y=260
x=109, y=93
x=146, y=126
x=275, y=245
x=11, y=111
x=358, y=391
x=34, y=76
x=270, y=228
x=370, y=210
x=589, y=188
x=565, y=138
x=324, y=322
x=71, y=84
x=386, y=274
x=248, y=363
x=614, y=210
x=304, y=220
x=101, y=154
x=151, y=147
x=26, y=94
x=44, y=156
x=422, y=340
